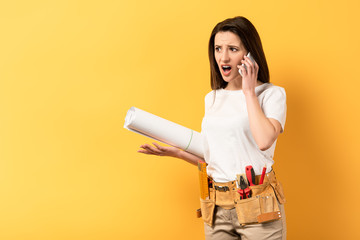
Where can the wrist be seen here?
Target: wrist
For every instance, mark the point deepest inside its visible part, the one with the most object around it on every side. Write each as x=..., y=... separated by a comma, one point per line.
x=178, y=153
x=249, y=93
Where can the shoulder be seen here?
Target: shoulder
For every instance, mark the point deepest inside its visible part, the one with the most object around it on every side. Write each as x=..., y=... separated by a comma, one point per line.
x=273, y=90
x=209, y=95
x=209, y=99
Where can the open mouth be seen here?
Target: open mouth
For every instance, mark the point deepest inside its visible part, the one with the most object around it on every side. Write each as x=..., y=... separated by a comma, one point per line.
x=226, y=69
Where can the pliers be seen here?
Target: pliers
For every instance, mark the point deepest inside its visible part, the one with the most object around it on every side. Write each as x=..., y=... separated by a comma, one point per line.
x=244, y=190
x=250, y=175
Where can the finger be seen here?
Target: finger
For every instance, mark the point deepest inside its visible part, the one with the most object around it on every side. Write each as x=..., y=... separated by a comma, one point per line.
x=256, y=70
x=145, y=152
x=248, y=60
x=146, y=147
x=243, y=70
x=248, y=66
x=252, y=65
x=256, y=66
x=158, y=146
x=153, y=149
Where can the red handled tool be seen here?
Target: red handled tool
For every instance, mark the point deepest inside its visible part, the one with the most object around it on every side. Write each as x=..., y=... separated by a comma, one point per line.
x=262, y=175
x=244, y=190
x=250, y=175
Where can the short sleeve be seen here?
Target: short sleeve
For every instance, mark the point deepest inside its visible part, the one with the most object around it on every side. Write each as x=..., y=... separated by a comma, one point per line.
x=209, y=98
x=274, y=105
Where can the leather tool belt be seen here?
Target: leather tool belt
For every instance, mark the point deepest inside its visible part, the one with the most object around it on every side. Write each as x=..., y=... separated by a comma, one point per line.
x=261, y=207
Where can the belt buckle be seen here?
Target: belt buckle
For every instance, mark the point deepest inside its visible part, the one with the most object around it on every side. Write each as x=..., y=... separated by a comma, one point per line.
x=222, y=188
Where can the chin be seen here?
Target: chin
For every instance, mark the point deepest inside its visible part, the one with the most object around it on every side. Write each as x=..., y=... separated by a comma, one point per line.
x=227, y=79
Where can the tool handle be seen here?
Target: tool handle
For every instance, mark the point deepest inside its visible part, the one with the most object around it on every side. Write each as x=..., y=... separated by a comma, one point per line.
x=203, y=179
x=242, y=194
x=262, y=175
x=250, y=174
x=247, y=192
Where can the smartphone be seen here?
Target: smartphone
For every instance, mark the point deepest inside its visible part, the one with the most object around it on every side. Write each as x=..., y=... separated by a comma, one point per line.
x=251, y=58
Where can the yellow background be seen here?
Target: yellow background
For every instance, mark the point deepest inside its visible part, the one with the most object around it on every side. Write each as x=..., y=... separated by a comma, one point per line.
x=70, y=70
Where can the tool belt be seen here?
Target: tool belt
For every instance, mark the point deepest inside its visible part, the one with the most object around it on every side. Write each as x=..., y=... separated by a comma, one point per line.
x=261, y=207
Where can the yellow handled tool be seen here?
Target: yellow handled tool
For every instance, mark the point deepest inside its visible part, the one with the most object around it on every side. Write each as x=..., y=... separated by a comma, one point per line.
x=203, y=180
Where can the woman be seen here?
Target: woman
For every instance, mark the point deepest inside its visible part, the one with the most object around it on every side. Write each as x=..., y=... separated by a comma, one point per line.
x=244, y=115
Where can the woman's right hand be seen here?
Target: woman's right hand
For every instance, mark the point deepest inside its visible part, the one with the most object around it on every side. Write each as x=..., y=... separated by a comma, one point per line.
x=159, y=150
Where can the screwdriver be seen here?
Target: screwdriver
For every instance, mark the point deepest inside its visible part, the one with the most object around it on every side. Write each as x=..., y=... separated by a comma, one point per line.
x=263, y=175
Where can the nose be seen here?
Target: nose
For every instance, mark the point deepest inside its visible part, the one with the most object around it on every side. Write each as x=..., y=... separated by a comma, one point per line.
x=225, y=56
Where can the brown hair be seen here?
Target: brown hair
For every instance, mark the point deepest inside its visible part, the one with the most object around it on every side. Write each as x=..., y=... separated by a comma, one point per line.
x=251, y=41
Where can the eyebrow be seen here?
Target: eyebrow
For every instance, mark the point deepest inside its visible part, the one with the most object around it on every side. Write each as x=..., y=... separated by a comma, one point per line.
x=234, y=46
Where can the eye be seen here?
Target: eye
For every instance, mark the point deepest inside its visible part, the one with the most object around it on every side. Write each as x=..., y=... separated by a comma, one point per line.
x=233, y=49
x=218, y=49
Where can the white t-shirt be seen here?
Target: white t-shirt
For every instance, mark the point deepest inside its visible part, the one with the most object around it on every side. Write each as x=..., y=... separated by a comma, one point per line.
x=228, y=142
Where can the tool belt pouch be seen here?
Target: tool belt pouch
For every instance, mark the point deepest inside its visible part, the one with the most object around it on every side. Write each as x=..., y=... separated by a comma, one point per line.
x=279, y=191
x=261, y=207
x=207, y=208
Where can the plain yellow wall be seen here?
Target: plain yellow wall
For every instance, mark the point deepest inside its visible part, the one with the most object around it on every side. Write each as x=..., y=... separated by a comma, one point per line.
x=69, y=71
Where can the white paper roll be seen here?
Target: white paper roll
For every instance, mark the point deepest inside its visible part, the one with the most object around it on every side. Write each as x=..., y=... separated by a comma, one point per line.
x=163, y=130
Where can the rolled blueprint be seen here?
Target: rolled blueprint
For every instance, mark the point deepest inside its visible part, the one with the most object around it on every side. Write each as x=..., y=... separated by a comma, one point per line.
x=163, y=130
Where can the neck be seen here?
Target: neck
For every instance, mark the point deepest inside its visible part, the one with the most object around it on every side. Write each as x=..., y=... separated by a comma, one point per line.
x=237, y=85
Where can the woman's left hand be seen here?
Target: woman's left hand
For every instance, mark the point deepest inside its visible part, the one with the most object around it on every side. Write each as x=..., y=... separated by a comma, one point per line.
x=249, y=76
x=159, y=150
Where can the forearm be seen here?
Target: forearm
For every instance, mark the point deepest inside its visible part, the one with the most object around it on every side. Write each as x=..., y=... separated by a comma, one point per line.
x=188, y=157
x=262, y=129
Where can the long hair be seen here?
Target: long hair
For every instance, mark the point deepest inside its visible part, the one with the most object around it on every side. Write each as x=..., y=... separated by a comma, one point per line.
x=249, y=37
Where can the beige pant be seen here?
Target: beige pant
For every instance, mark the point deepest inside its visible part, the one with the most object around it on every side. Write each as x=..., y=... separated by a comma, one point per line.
x=226, y=227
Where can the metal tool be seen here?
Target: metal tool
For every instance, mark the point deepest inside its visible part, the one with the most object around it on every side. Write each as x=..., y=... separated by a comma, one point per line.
x=244, y=190
x=222, y=188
